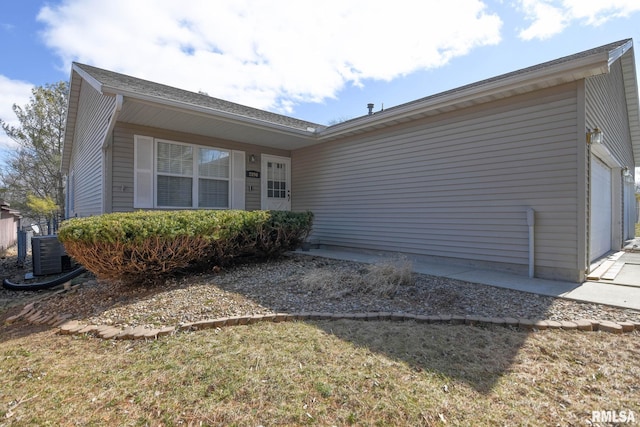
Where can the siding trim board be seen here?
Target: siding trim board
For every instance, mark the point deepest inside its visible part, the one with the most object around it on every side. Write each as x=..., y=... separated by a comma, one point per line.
x=582, y=193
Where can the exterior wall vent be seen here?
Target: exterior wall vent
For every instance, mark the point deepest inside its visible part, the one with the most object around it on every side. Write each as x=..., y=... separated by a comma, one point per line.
x=47, y=253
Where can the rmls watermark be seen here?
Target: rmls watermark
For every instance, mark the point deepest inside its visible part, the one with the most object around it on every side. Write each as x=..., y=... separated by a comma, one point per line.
x=619, y=417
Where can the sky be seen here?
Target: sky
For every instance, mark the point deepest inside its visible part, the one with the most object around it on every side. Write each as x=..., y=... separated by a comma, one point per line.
x=318, y=61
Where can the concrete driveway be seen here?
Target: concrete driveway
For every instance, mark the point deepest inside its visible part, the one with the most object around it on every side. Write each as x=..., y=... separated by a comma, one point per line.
x=625, y=271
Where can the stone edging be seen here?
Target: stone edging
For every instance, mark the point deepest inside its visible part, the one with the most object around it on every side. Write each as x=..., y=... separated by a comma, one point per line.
x=73, y=327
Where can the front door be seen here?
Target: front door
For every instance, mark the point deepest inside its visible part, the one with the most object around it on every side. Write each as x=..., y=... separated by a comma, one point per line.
x=276, y=183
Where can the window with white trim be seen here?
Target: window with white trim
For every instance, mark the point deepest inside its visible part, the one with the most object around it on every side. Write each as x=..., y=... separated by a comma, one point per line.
x=191, y=176
x=213, y=178
x=170, y=174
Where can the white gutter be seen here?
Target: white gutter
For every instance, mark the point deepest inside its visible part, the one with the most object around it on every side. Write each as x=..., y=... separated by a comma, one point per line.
x=107, y=167
x=106, y=141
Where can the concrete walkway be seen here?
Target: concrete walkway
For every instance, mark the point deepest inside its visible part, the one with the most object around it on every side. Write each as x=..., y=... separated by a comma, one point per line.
x=626, y=296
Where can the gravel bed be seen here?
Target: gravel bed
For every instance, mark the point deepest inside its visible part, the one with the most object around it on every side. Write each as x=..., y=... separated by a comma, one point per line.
x=300, y=282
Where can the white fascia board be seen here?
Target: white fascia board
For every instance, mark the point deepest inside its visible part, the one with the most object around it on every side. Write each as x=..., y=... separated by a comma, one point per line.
x=257, y=123
x=88, y=78
x=616, y=53
x=67, y=142
x=574, y=70
x=68, y=135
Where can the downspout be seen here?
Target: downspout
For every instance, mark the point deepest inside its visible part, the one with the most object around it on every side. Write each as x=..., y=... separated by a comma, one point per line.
x=107, y=143
x=531, y=219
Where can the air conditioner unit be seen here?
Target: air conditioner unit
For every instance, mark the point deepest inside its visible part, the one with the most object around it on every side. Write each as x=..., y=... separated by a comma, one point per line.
x=47, y=253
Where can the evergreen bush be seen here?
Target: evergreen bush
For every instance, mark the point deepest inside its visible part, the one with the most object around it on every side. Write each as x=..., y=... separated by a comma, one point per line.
x=146, y=246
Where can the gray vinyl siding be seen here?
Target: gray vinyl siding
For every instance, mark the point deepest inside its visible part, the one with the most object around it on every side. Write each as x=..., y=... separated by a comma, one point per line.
x=253, y=200
x=606, y=108
x=94, y=110
x=122, y=184
x=122, y=170
x=457, y=185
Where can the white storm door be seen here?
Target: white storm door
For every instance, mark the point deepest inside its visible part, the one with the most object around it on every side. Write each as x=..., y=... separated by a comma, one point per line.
x=601, y=209
x=276, y=183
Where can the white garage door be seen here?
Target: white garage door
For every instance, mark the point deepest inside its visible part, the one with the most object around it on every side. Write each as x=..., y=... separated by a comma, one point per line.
x=600, y=232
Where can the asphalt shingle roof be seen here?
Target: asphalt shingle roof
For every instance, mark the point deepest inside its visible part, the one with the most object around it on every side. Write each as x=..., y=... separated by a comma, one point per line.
x=146, y=88
x=601, y=49
x=122, y=82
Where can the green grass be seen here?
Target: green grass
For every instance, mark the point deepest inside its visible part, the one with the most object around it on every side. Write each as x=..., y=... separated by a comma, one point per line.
x=319, y=373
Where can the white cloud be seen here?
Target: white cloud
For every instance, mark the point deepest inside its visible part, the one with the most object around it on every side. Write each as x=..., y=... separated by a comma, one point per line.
x=550, y=17
x=267, y=54
x=11, y=92
x=548, y=20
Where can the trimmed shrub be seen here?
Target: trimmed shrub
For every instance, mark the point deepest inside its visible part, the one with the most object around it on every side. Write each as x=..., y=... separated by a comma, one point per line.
x=148, y=245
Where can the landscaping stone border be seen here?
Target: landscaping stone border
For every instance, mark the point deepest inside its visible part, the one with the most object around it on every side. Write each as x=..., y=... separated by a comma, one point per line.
x=67, y=326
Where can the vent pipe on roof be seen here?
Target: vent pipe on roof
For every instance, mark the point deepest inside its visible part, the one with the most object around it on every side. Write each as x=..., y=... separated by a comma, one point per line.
x=370, y=107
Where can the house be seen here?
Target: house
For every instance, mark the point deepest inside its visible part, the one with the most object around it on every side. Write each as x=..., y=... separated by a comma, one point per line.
x=531, y=171
x=9, y=222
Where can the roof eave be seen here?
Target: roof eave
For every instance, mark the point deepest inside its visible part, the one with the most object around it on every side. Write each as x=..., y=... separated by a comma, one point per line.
x=184, y=106
x=87, y=77
x=633, y=101
x=70, y=119
x=618, y=52
x=574, y=70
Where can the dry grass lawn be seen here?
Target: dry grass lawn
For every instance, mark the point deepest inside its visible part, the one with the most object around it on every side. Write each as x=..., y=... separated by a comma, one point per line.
x=319, y=373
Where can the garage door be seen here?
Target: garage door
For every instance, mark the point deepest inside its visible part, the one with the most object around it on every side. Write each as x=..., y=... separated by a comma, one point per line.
x=600, y=231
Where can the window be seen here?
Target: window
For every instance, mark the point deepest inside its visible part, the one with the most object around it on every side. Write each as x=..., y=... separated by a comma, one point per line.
x=168, y=174
x=188, y=176
x=276, y=180
x=213, y=178
x=175, y=175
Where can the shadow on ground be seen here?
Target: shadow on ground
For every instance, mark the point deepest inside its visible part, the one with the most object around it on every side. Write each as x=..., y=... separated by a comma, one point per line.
x=474, y=355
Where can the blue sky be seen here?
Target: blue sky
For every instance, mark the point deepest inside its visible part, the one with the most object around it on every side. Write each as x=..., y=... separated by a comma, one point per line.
x=322, y=64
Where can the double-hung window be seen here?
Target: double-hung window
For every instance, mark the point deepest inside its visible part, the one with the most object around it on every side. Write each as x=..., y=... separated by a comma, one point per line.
x=178, y=175
x=174, y=169
x=213, y=178
x=190, y=176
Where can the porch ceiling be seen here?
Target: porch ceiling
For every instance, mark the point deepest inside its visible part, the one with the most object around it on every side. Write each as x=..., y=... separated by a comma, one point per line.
x=151, y=114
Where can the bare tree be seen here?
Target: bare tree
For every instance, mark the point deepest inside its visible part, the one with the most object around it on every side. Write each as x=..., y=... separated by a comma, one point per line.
x=33, y=169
